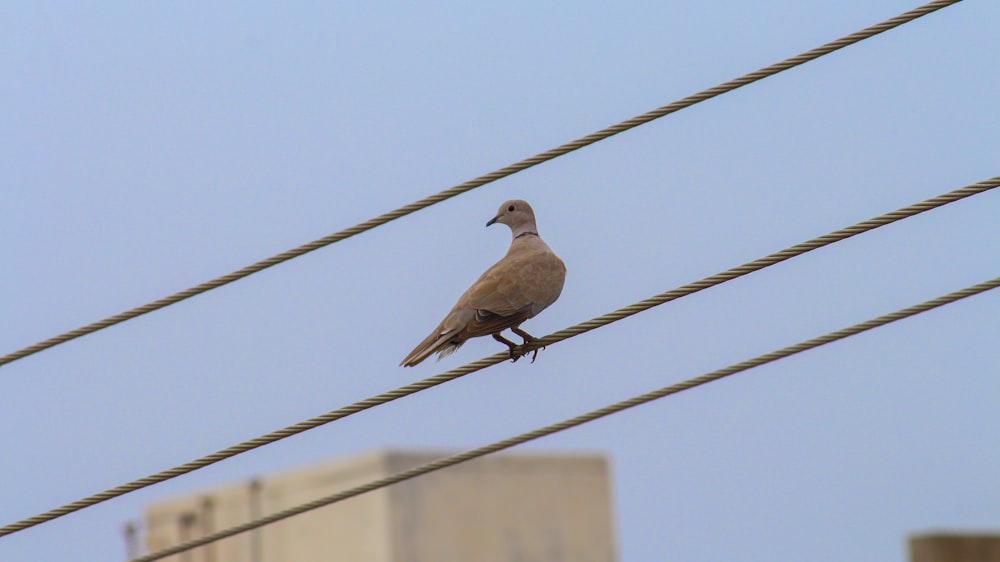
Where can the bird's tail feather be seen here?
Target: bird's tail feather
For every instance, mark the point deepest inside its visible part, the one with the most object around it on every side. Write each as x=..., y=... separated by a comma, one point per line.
x=439, y=342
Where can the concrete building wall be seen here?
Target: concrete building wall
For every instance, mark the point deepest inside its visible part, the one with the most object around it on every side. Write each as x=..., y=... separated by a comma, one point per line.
x=955, y=547
x=501, y=508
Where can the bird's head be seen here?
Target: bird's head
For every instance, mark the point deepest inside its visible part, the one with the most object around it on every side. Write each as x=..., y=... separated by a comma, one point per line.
x=518, y=215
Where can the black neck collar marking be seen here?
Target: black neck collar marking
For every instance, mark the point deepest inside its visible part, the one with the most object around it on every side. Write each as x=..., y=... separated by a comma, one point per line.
x=526, y=234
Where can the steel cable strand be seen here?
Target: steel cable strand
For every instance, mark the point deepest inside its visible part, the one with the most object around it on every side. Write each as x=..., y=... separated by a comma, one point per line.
x=412, y=388
x=769, y=260
x=252, y=444
x=608, y=410
x=483, y=180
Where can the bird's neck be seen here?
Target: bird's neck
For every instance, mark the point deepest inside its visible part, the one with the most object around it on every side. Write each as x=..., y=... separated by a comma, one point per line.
x=525, y=233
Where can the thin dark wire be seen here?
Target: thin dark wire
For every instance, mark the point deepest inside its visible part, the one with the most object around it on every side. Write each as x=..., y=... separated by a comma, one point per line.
x=485, y=179
x=474, y=366
x=578, y=420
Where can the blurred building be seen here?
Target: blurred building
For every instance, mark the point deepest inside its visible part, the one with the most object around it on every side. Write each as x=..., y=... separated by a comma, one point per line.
x=500, y=508
x=955, y=547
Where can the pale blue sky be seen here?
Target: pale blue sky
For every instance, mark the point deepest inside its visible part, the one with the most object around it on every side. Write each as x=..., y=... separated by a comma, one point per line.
x=149, y=147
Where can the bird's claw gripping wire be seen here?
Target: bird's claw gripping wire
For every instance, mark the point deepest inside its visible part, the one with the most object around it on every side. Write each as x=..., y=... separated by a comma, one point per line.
x=518, y=351
x=528, y=340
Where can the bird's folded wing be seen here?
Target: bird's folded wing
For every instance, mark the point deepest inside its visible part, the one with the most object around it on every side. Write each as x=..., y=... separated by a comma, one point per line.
x=499, y=291
x=484, y=323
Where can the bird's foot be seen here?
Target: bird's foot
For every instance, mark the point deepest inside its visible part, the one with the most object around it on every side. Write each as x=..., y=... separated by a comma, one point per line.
x=528, y=340
x=511, y=347
x=534, y=353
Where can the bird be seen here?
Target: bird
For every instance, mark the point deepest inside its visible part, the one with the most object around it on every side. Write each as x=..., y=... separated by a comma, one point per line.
x=523, y=283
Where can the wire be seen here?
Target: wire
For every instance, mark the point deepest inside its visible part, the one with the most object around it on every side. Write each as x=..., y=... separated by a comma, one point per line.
x=412, y=388
x=484, y=179
x=608, y=410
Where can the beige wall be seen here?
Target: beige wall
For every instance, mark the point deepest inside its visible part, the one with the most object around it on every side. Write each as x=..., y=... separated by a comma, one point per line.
x=500, y=508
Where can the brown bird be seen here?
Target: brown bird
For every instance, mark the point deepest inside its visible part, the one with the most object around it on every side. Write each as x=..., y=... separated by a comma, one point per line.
x=525, y=282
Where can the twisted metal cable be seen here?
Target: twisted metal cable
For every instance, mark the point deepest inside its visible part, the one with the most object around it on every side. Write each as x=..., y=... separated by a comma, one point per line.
x=484, y=179
x=480, y=364
x=608, y=410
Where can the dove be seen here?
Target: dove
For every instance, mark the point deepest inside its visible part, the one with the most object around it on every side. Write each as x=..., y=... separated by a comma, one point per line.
x=523, y=283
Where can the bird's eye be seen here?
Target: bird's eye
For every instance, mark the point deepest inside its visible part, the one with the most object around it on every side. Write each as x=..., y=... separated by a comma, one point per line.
x=510, y=209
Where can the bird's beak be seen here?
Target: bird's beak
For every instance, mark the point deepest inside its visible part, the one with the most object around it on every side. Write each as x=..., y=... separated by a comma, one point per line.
x=493, y=220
